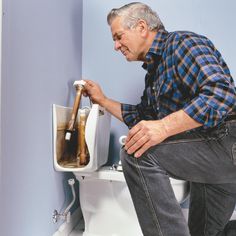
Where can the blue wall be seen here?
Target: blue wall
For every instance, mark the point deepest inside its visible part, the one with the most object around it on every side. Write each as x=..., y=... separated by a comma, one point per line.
x=41, y=57
x=124, y=81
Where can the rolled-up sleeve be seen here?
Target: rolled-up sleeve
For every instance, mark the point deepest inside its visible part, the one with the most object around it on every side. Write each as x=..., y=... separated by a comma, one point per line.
x=203, y=71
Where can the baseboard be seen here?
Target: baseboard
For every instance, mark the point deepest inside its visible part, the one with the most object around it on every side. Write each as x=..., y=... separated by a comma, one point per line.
x=66, y=228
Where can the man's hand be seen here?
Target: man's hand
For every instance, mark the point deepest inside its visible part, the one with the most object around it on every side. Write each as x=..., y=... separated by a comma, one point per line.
x=145, y=135
x=96, y=95
x=149, y=133
x=94, y=91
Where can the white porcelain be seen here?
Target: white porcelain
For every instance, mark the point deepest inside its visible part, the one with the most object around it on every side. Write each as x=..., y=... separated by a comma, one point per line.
x=107, y=206
x=97, y=136
x=104, y=196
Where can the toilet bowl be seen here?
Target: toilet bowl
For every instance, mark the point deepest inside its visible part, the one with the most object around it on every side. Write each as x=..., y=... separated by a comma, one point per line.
x=107, y=206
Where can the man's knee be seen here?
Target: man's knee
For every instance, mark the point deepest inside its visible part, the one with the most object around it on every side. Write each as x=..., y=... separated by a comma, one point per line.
x=146, y=160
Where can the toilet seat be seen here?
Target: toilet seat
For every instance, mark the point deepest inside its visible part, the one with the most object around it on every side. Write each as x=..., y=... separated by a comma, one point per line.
x=180, y=187
x=104, y=173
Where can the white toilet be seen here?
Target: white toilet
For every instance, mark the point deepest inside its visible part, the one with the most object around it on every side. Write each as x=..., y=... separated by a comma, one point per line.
x=107, y=206
x=104, y=196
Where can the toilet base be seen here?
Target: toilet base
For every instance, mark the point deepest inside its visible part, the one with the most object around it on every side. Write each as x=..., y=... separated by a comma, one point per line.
x=107, y=206
x=78, y=232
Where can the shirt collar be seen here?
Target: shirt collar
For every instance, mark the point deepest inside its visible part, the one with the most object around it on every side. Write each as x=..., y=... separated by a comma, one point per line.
x=156, y=50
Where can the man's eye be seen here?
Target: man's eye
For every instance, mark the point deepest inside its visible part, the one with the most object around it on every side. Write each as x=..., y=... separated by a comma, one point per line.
x=119, y=36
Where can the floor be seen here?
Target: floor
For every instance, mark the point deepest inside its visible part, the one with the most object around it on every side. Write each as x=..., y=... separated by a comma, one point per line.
x=78, y=230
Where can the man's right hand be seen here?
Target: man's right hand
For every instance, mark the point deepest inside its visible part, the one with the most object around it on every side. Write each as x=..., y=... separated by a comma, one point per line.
x=94, y=92
x=96, y=95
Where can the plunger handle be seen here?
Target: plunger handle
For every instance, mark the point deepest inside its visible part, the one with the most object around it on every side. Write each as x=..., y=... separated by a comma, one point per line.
x=79, y=86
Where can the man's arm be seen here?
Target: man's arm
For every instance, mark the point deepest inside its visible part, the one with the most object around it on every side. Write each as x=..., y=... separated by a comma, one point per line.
x=201, y=70
x=113, y=107
x=149, y=133
x=179, y=122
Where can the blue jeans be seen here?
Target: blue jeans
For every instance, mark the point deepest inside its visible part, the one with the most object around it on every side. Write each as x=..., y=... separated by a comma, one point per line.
x=208, y=161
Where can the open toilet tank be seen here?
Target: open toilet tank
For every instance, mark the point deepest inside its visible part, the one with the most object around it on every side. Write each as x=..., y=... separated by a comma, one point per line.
x=97, y=135
x=104, y=196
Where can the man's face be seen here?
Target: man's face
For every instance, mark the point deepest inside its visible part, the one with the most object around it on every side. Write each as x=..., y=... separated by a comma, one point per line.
x=128, y=41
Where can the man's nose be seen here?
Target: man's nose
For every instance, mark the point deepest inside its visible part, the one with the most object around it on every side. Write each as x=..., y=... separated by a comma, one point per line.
x=117, y=45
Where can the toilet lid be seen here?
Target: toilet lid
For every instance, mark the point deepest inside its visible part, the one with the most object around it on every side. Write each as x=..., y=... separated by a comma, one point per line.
x=107, y=173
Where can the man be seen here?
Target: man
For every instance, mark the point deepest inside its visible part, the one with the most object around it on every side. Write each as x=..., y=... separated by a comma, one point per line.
x=184, y=126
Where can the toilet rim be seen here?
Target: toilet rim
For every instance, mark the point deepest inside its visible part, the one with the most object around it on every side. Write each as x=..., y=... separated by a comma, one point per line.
x=104, y=173
x=110, y=174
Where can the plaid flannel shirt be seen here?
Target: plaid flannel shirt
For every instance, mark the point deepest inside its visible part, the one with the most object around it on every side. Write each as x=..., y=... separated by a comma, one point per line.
x=184, y=71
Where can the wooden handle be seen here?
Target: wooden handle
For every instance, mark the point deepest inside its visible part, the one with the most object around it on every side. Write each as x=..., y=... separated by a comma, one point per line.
x=74, y=113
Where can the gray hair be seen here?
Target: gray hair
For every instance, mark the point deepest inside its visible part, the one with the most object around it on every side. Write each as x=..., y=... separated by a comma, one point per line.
x=132, y=12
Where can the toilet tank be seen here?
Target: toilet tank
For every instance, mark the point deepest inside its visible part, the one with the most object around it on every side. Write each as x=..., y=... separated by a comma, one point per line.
x=97, y=135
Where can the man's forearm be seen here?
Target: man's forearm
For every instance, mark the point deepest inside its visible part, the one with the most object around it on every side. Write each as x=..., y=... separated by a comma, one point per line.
x=178, y=122
x=113, y=107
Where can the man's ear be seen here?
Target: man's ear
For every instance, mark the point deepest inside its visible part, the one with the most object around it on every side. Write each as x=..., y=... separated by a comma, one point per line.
x=142, y=27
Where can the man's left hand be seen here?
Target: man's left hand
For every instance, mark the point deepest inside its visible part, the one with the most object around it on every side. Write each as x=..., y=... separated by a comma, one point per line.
x=144, y=135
